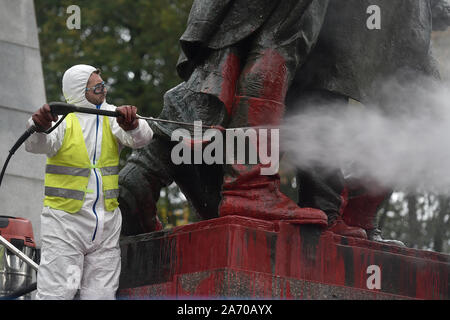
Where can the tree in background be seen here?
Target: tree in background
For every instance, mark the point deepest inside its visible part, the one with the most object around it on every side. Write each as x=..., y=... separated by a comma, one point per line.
x=421, y=220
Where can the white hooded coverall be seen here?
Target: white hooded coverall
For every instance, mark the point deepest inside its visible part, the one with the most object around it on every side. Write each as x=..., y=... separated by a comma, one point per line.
x=81, y=250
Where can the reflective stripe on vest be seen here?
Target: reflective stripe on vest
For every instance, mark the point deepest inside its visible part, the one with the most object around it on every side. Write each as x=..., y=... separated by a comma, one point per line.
x=67, y=173
x=109, y=171
x=71, y=171
x=111, y=194
x=64, y=193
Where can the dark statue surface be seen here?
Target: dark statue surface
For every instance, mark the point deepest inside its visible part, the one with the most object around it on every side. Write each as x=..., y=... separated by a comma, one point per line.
x=249, y=63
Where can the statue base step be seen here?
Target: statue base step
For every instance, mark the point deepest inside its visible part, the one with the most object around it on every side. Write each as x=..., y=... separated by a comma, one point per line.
x=238, y=257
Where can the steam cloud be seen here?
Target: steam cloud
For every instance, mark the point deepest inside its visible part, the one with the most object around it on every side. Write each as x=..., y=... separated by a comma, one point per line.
x=404, y=143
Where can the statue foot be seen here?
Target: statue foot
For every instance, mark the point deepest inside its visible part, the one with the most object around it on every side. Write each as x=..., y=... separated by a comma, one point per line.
x=260, y=204
x=257, y=196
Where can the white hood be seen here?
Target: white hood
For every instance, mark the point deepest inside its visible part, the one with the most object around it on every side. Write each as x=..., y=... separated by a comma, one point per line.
x=74, y=85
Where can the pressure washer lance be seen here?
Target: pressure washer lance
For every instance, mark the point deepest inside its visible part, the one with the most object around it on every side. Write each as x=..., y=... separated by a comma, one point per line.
x=60, y=108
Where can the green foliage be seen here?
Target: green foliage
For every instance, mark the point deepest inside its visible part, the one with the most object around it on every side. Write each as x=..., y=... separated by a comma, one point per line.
x=134, y=43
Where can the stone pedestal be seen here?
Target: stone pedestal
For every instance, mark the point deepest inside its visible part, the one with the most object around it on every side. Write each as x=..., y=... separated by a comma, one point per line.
x=236, y=257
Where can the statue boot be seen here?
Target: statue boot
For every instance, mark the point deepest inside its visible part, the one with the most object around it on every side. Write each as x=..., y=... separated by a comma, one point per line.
x=337, y=224
x=247, y=192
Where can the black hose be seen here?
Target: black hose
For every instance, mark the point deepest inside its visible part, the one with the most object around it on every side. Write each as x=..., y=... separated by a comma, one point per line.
x=21, y=140
x=20, y=292
x=4, y=167
x=16, y=146
x=56, y=125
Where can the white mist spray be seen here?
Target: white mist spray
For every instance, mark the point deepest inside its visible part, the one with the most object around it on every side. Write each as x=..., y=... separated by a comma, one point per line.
x=403, y=143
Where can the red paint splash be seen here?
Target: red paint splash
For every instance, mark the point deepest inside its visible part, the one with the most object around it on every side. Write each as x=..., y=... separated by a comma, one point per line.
x=230, y=73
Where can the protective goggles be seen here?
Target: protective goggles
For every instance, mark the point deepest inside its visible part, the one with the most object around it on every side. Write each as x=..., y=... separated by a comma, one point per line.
x=98, y=88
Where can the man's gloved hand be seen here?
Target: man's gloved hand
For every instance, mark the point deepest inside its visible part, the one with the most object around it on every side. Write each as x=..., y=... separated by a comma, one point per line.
x=43, y=118
x=128, y=119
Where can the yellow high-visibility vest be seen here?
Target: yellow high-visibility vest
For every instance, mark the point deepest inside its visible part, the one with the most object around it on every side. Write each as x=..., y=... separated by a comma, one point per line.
x=67, y=173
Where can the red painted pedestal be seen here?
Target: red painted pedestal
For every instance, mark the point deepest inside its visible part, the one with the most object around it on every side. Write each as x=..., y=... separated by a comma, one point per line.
x=240, y=257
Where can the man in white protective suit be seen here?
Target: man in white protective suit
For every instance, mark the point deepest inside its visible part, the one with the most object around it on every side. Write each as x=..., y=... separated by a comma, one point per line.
x=81, y=219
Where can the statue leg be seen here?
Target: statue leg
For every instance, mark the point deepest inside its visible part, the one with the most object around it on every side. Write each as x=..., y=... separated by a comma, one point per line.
x=140, y=183
x=324, y=188
x=259, y=101
x=245, y=190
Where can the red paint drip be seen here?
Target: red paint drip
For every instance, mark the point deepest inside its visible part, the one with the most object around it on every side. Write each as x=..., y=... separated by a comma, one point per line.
x=230, y=73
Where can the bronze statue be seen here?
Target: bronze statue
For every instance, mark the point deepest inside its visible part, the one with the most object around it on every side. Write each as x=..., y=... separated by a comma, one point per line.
x=244, y=63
